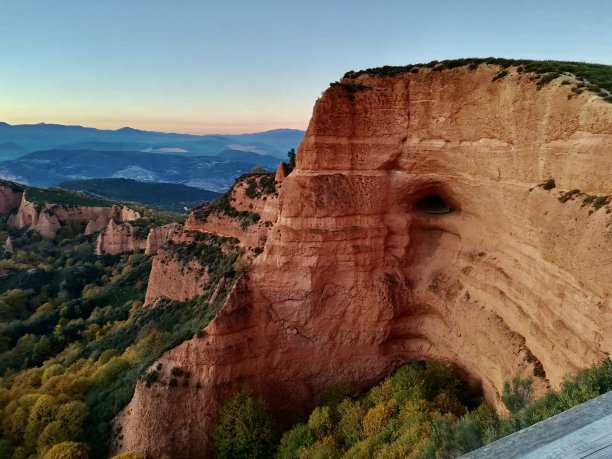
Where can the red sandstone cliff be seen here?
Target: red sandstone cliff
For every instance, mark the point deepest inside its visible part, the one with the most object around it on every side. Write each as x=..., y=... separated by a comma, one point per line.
x=157, y=237
x=262, y=203
x=175, y=275
x=118, y=238
x=182, y=279
x=360, y=273
x=40, y=219
x=47, y=219
x=10, y=197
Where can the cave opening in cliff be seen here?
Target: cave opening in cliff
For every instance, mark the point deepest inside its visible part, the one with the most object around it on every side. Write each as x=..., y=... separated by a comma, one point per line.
x=433, y=204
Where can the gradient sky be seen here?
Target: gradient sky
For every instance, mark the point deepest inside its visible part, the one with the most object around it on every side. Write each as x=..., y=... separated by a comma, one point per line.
x=203, y=66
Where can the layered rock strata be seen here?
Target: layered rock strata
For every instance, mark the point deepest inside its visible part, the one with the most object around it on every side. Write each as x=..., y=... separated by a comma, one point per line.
x=179, y=279
x=254, y=210
x=117, y=238
x=47, y=219
x=157, y=237
x=413, y=227
x=175, y=275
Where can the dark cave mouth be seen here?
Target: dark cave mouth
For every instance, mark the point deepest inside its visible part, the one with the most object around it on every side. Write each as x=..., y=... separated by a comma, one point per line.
x=434, y=204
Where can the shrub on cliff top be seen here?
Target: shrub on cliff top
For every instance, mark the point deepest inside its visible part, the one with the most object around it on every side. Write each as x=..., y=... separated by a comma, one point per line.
x=549, y=184
x=596, y=78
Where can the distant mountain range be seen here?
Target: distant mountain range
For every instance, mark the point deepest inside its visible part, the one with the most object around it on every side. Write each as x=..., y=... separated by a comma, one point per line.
x=167, y=196
x=17, y=140
x=52, y=167
x=50, y=154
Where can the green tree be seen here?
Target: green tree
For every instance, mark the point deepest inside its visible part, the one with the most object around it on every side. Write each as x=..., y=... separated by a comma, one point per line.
x=292, y=155
x=320, y=421
x=42, y=413
x=516, y=396
x=6, y=449
x=52, y=434
x=295, y=441
x=71, y=417
x=245, y=429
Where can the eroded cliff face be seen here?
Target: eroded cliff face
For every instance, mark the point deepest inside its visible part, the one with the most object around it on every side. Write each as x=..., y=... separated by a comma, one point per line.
x=117, y=237
x=254, y=210
x=183, y=277
x=159, y=236
x=366, y=268
x=47, y=219
x=10, y=198
x=40, y=219
x=177, y=273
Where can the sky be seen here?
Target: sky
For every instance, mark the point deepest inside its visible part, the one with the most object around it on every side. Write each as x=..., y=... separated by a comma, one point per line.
x=229, y=66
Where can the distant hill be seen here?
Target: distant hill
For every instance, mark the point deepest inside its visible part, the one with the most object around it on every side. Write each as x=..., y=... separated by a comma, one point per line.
x=249, y=157
x=52, y=167
x=34, y=137
x=166, y=196
x=10, y=150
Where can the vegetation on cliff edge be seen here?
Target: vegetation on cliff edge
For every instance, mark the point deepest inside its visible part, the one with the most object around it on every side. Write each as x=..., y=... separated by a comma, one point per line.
x=596, y=78
x=259, y=185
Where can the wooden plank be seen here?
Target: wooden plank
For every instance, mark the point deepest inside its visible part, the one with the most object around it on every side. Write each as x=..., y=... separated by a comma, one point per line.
x=550, y=434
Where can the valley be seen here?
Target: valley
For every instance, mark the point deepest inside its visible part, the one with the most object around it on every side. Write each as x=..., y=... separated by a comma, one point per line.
x=428, y=275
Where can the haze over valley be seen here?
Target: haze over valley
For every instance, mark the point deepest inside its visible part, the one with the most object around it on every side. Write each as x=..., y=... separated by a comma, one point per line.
x=49, y=155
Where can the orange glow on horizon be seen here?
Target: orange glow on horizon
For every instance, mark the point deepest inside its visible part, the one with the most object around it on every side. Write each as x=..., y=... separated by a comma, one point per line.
x=169, y=126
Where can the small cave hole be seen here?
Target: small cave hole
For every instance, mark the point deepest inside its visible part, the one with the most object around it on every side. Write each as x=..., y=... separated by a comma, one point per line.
x=433, y=204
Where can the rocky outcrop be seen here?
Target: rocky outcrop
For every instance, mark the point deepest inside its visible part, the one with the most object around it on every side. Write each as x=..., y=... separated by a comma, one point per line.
x=282, y=171
x=40, y=219
x=10, y=197
x=180, y=269
x=8, y=245
x=249, y=212
x=125, y=214
x=175, y=279
x=412, y=227
x=95, y=225
x=157, y=237
x=117, y=238
x=47, y=219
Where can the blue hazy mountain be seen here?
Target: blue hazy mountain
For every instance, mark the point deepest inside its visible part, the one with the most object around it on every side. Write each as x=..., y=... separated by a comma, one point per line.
x=26, y=138
x=9, y=150
x=53, y=167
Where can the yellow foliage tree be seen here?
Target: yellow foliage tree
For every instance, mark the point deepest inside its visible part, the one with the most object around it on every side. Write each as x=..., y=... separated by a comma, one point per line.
x=376, y=418
x=68, y=450
x=321, y=422
x=126, y=455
